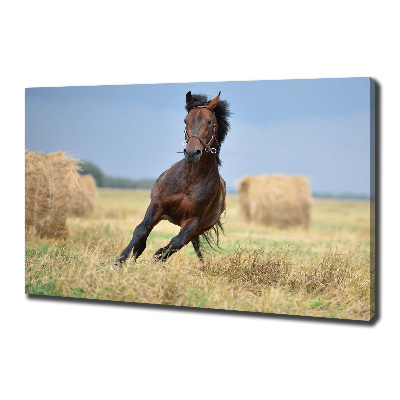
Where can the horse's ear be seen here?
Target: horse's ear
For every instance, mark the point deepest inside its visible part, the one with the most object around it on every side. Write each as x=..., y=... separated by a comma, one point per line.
x=213, y=103
x=189, y=97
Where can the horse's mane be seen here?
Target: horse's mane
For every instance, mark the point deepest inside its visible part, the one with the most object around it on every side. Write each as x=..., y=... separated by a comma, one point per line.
x=222, y=114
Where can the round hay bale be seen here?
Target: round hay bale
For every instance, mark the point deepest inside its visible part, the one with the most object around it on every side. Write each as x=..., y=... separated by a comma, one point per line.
x=50, y=180
x=278, y=200
x=84, y=196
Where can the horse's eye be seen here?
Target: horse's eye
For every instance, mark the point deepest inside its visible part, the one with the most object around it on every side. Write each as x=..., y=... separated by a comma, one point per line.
x=209, y=121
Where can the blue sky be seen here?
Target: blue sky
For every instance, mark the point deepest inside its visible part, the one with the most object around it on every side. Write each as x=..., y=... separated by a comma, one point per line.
x=319, y=128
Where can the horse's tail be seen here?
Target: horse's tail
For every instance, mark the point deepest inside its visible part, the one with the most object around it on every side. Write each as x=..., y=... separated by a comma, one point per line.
x=210, y=239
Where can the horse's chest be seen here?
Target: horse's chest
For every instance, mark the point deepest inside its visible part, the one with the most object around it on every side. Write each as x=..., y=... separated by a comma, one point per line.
x=179, y=207
x=182, y=197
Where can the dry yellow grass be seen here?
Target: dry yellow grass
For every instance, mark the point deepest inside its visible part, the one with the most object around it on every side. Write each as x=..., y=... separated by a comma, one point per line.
x=50, y=180
x=323, y=271
x=277, y=200
x=84, y=197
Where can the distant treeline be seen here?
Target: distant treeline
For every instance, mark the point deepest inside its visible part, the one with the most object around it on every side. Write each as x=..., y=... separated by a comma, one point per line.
x=345, y=196
x=103, y=180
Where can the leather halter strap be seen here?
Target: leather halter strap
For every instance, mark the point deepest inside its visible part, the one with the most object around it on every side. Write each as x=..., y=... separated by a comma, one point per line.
x=206, y=145
x=208, y=108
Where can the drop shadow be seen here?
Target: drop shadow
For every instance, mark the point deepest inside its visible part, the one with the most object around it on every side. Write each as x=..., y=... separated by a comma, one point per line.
x=185, y=309
x=375, y=186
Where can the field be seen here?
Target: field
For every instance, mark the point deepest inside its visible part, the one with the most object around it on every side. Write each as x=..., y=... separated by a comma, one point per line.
x=322, y=271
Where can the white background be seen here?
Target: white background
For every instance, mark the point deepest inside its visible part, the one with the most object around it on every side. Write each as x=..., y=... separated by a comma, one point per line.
x=66, y=349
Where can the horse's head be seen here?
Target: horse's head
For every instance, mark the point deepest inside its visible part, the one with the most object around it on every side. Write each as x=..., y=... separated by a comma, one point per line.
x=201, y=133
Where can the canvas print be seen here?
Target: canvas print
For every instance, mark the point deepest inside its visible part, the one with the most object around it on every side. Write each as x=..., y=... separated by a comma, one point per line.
x=254, y=196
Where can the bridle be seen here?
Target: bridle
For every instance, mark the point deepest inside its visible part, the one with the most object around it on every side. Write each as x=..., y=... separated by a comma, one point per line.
x=207, y=146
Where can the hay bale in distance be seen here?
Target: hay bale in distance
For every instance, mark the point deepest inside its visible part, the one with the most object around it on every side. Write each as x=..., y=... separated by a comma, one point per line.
x=50, y=180
x=84, y=196
x=278, y=200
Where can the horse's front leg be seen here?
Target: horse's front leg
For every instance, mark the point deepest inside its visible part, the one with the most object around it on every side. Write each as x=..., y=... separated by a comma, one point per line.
x=185, y=235
x=140, y=234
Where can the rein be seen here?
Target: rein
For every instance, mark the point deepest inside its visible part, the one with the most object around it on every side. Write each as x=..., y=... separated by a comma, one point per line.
x=207, y=146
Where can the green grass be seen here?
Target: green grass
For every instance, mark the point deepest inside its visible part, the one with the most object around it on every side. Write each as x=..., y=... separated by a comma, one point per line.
x=322, y=271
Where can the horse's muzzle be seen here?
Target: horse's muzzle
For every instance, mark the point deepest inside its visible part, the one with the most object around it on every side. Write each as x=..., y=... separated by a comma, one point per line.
x=192, y=156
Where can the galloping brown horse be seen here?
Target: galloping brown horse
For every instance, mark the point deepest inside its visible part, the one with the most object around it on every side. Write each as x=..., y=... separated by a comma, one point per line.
x=191, y=193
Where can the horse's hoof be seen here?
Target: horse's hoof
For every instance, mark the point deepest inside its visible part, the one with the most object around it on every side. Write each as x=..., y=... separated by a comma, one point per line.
x=157, y=257
x=121, y=260
x=160, y=256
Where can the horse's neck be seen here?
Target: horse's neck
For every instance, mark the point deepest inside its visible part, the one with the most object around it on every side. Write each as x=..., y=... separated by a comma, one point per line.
x=207, y=166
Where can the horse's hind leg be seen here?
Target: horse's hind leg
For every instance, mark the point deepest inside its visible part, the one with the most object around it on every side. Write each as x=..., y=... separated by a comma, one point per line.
x=196, y=246
x=140, y=234
x=186, y=234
